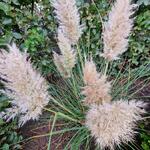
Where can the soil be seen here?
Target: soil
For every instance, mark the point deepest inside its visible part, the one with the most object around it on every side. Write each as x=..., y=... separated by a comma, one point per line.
x=33, y=129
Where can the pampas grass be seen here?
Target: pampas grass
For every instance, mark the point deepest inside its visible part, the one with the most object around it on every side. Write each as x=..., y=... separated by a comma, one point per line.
x=24, y=85
x=69, y=19
x=117, y=29
x=97, y=88
x=114, y=123
x=66, y=61
x=107, y=114
x=69, y=32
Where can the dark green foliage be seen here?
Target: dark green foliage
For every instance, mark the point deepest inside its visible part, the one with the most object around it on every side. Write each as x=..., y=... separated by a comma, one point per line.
x=39, y=50
x=145, y=138
x=8, y=131
x=91, y=13
x=144, y=2
x=140, y=40
x=32, y=30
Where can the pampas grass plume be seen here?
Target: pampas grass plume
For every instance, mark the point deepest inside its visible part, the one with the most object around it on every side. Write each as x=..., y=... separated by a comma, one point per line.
x=113, y=123
x=66, y=61
x=69, y=19
x=96, y=89
x=117, y=29
x=24, y=85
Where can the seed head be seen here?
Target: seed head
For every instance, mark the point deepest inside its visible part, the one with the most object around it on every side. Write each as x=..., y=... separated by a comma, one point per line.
x=67, y=60
x=97, y=88
x=69, y=19
x=24, y=85
x=117, y=29
x=113, y=123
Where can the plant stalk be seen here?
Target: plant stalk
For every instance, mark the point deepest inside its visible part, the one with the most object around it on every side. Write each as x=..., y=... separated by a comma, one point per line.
x=106, y=68
x=80, y=56
x=63, y=115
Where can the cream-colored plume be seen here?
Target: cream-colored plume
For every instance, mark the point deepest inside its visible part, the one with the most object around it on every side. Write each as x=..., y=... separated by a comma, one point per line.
x=117, y=29
x=69, y=19
x=113, y=123
x=97, y=89
x=66, y=61
x=25, y=86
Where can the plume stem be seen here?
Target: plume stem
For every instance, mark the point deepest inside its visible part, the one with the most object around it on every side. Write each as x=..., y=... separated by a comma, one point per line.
x=52, y=128
x=63, y=107
x=106, y=68
x=62, y=115
x=74, y=85
x=80, y=56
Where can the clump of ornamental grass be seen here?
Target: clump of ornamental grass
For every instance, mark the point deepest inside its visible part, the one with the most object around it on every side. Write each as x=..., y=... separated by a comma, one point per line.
x=86, y=118
x=88, y=101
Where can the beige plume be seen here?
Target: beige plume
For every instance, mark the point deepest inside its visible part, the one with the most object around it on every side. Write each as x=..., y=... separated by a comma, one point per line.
x=117, y=29
x=69, y=19
x=97, y=89
x=113, y=123
x=66, y=61
x=24, y=85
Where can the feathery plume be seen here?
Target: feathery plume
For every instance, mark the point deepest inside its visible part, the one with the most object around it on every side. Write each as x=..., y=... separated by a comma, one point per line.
x=26, y=87
x=97, y=89
x=117, y=29
x=113, y=123
x=66, y=61
x=69, y=19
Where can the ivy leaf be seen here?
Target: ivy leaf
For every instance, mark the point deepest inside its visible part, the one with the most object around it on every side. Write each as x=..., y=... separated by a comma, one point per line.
x=16, y=2
x=7, y=21
x=145, y=2
x=1, y=122
x=80, y=2
x=5, y=147
x=17, y=35
x=4, y=7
